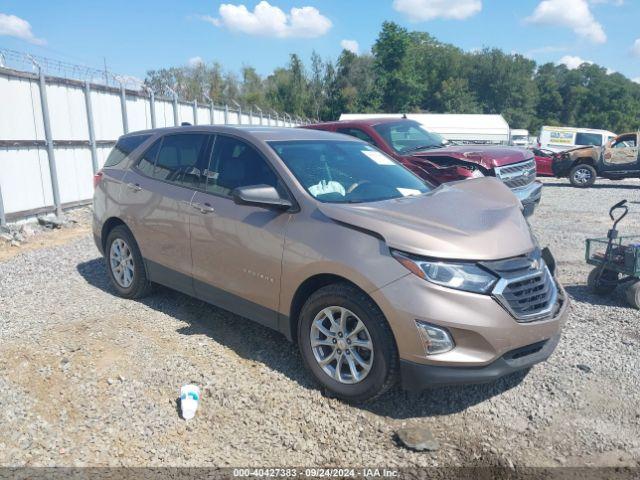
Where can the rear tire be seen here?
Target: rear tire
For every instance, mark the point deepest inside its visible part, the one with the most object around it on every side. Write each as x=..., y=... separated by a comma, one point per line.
x=582, y=176
x=633, y=294
x=383, y=369
x=125, y=264
x=607, y=283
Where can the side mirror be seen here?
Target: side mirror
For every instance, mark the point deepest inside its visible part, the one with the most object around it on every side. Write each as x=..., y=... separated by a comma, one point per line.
x=261, y=196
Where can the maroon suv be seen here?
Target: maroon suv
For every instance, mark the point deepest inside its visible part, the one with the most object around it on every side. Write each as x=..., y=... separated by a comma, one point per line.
x=430, y=156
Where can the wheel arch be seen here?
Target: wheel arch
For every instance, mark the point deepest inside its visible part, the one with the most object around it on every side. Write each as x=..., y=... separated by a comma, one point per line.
x=109, y=225
x=583, y=161
x=306, y=289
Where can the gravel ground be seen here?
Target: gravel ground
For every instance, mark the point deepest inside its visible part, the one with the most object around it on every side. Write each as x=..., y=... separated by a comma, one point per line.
x=87, y=378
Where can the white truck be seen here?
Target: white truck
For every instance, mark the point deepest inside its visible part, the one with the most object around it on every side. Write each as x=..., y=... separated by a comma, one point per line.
x=559, y=139
x=520, y=138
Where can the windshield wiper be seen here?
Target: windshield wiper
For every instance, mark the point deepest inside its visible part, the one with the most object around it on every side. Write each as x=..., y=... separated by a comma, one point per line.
x=421, y=147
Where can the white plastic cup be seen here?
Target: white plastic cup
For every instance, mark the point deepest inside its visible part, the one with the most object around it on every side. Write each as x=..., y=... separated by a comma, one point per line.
x=189, y=397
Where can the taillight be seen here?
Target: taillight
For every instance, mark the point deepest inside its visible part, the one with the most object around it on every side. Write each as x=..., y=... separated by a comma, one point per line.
x=96, y=179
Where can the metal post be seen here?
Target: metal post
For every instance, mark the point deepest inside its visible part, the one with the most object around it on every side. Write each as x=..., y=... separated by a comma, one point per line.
x=53, y=171
x=259, y=110
x=152, y=108
x=3, y=217
x=226, y=114
x=239, y=115
x=176, y=119
x=269, y=118
x=92, y=133
x=123, y=109
x=195, y=112
x=250, y=115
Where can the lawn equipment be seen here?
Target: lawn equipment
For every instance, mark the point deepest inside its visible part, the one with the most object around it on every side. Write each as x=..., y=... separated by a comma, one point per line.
x=616, y=259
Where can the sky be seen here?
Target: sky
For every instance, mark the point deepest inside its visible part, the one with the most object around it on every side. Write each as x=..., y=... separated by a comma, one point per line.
x=135, y=36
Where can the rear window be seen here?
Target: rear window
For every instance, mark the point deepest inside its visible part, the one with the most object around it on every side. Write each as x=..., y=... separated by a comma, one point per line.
x=589, y=139
x=124, y=147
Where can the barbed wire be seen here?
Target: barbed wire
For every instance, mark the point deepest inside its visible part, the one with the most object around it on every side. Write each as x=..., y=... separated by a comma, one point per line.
x=32, y=63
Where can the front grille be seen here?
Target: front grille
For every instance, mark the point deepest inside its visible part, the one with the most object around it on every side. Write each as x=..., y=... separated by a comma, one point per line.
x=530, y=296
x=517, y=175
x=526, y=288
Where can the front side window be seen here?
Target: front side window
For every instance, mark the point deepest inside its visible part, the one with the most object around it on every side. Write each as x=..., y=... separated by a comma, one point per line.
x=407, y=136
x=234, y=164
x=336, y=171
x=593, y=139
x=123, y=148
x=627, y=141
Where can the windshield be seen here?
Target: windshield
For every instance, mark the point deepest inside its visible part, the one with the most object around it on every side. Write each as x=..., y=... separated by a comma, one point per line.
x=406, y=136
x=336, y=171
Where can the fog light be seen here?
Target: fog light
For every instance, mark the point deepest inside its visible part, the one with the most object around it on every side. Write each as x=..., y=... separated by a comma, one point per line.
x=435, y=339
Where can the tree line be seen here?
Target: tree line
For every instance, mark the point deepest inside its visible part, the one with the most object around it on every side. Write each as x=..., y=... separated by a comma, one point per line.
x=414, y=72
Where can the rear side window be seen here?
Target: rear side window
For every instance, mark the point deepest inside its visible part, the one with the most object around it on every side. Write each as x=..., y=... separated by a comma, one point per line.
x=123, y=148
x=356, y=132
x=594, y=139
x=177, y=159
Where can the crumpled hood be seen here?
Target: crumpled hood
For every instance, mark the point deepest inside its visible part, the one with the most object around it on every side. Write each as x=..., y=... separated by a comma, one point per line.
x=485, y=155
x=478, y=219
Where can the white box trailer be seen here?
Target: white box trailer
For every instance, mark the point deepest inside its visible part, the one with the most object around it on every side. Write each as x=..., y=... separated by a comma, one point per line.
x=462, y=128
x=559, y=139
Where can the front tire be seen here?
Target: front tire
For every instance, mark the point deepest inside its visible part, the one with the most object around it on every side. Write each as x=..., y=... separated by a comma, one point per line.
x=582, y=176
x=125, y=264
x=347, y=344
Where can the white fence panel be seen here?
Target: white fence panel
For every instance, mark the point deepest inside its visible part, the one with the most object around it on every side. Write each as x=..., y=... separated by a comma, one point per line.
x=233, y=118
x=164, y=114
x=67, y=111
x=107, y=115
x=185, y=113
x=103, y=153
x=74, y=173
x=204, y=116
x=138, y=113
x=25, y=179
x=21, y=97
x=218, y=117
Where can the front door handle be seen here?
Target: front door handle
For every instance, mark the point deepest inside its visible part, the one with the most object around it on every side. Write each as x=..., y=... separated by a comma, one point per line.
x=203, y=208
x=134, y=186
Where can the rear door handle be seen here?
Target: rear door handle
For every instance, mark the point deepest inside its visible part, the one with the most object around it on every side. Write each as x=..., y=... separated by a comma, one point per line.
x=203, y=208
x=134, y=186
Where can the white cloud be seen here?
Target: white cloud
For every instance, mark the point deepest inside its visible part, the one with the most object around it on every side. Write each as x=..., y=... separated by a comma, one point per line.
x=572, y=62
x=423, y=10
x=13, y=26
x=635, y=50
x=637, y=79
x=195, y=61
x=610, y=71
x=616, y=3
x=269, y=21
x=350, y=45
x=573, y=14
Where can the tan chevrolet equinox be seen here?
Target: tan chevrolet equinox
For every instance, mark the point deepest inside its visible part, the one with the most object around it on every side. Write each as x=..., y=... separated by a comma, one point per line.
x=377, y=276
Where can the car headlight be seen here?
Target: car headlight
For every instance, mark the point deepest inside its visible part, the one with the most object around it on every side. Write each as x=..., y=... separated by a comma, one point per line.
x=458, y=275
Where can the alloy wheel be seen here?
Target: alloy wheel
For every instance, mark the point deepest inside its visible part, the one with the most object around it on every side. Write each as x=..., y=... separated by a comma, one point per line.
x=582, y=176
x=121, y=262
x=341, y=344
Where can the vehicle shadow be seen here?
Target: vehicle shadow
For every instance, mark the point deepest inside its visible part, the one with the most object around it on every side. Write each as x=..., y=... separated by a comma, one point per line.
x=257, y=343
x=583, y=293
x=595, y=186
